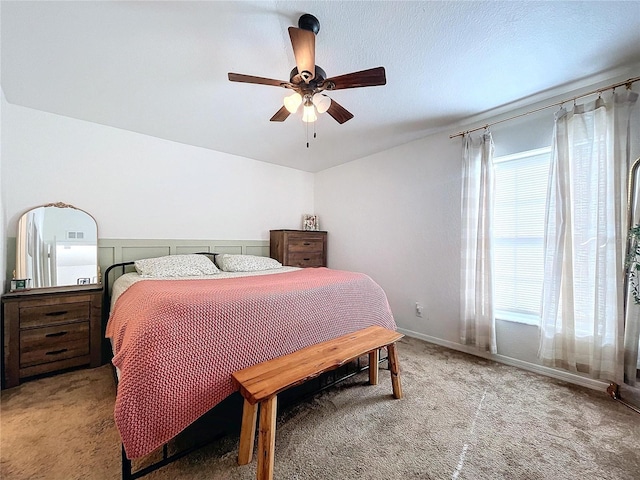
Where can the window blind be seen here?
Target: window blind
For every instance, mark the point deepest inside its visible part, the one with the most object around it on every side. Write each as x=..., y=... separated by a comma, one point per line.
x=519, y=220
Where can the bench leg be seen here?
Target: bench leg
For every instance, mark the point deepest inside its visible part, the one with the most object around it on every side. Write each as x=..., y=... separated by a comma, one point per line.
x=395, y=371
x=247, y=432
x=373, y=367
x=267, y=438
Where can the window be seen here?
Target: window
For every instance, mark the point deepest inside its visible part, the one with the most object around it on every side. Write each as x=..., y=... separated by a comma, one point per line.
x=519, y=221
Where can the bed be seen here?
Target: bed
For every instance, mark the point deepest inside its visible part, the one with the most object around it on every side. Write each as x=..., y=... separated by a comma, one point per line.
x=177, y=338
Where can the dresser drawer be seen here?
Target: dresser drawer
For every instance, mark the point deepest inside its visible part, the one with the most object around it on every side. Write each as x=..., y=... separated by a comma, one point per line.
x=54, y=314
x=49, y=344
x=306, y=259
x=305, y=244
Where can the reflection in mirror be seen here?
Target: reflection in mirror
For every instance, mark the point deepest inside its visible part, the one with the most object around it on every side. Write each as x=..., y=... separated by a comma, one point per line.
x=57, y=244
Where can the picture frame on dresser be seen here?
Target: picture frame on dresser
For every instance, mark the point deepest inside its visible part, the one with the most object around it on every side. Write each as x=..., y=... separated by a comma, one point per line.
x=310, y=223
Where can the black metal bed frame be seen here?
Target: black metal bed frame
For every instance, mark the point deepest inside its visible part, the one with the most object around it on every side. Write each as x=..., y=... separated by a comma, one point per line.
x=323, y=382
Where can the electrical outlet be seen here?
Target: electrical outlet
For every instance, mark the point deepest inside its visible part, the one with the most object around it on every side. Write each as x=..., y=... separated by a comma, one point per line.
x=419, y=309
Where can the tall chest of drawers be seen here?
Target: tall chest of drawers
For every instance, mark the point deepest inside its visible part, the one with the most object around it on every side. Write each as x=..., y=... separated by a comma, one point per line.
x=299, y=248
x=50, y=329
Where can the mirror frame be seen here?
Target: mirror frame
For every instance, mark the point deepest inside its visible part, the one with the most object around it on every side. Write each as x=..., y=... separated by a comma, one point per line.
x=60, y=205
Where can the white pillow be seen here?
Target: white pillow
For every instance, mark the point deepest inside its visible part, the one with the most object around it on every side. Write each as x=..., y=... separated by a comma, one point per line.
x=245, y=263
x=176, y=266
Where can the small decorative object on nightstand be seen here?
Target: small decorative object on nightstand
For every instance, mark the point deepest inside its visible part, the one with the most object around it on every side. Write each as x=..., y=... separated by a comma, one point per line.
x=50, y=329
x=298, y=248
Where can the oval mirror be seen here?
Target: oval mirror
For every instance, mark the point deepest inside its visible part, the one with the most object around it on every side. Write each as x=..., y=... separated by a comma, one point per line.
x=56, y=245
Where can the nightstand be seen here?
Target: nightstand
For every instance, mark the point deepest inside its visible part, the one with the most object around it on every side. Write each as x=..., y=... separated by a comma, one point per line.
x=299, y=248
x=50, y=329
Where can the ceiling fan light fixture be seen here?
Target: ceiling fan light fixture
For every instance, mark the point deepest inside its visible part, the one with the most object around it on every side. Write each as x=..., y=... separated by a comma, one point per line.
x=292, y=102
x=322, y=102
x=309, y=114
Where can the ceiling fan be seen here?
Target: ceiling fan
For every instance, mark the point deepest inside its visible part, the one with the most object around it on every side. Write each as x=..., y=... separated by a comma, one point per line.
x=308, y=81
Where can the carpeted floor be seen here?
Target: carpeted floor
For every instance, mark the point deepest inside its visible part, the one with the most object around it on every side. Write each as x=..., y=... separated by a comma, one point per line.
x=462, y=418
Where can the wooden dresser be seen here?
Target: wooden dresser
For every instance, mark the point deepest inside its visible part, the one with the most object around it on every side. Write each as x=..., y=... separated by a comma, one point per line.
x=299, y=248
x=50, y=329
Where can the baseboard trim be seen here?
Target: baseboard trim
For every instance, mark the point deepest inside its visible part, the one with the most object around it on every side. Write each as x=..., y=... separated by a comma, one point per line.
x=514, y=362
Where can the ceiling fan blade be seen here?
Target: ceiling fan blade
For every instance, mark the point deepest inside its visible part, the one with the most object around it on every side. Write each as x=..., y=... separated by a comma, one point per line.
x=364, y=78
x=304, y=49
x=281, y=115
x=238, y=77
x=339, y=113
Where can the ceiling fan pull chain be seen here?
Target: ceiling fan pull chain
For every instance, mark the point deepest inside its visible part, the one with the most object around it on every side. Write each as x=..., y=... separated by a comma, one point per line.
x=307, y=134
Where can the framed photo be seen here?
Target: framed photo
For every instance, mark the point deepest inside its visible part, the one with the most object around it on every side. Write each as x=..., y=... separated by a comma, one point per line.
x=84, y=281
x=20, y=284
x=310, y=223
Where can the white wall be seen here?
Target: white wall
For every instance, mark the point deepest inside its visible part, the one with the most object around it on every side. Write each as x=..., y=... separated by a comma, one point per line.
x=395, y=215
x=137, y=186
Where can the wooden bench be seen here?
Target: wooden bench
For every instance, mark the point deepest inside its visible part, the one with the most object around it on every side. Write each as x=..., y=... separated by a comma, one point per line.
x=261, y=383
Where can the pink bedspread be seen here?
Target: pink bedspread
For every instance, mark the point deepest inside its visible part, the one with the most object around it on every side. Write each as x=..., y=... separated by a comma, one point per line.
x=178, y=341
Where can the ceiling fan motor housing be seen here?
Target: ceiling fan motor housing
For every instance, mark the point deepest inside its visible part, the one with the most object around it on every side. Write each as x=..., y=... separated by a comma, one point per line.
x=319, y=74
x=319, y=77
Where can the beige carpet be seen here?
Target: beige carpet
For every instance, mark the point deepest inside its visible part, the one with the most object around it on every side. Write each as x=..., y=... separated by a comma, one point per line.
x=462, y=418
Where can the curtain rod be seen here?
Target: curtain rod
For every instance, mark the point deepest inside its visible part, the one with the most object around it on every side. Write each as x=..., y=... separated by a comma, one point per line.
x=627, y=83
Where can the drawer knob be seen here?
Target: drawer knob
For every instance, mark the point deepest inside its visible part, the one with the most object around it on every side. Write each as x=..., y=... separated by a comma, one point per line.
x=56, y=352
x=57, y=334
x=306, y=259
x=306, y=243
x=56, y=314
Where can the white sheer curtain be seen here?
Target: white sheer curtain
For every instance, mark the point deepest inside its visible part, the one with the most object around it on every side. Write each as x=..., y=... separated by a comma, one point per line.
x=583, y=310
x=476, y=302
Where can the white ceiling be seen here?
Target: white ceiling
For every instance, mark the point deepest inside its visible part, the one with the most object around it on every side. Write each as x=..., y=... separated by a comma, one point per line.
x=160, y=68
